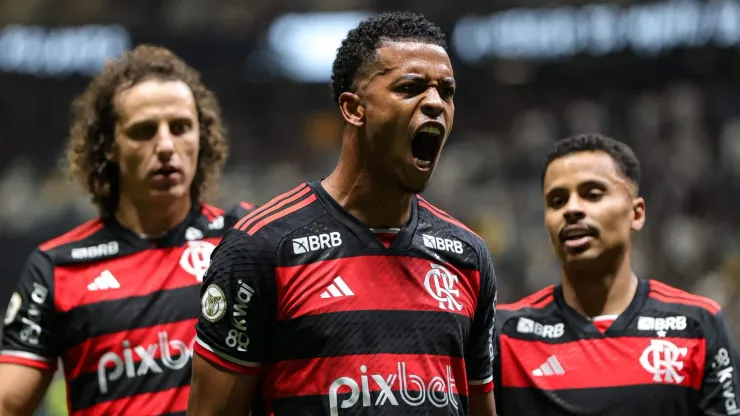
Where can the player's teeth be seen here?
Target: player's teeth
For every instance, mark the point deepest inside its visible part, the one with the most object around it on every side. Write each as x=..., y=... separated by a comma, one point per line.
x=422, y=163
x=431, y=129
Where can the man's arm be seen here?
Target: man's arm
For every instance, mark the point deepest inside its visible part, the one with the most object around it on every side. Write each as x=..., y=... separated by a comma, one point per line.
x=481, y=351
x=719, y=390
x=22, y=388
x=232, y=333
x=217, y=391
x=29, y=346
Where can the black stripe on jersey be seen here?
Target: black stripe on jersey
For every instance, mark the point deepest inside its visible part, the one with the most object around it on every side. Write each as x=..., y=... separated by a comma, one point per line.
x=84, y=391
x=372, y=332
x=319, y=405
x=636, y=400
x=111, y=316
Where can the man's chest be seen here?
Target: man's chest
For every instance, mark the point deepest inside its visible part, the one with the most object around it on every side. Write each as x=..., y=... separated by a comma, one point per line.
x=572, y=369
x=375, y=303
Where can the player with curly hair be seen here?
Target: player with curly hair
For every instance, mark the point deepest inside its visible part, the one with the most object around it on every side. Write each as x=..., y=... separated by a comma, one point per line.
x=111, y=298
x=352, y=294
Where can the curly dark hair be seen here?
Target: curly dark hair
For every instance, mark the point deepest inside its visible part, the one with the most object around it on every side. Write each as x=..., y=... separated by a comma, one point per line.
x=358, y=48
x=621, y=153
x=92, y=131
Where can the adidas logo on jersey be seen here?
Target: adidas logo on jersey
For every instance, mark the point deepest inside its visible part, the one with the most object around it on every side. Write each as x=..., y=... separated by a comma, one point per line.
x=316, y=242
x=105, y=281
x=550, y=367
x=442, y=244
x=337, y=289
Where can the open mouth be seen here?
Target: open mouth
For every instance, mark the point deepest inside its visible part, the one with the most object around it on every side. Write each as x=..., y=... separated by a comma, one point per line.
x=426, y=144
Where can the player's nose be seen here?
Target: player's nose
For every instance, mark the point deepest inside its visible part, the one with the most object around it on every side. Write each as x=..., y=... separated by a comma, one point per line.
x=574, y=210
x=165, y=146
x=433, y=104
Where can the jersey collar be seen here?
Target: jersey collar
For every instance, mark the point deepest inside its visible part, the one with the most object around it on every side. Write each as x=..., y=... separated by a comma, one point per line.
x=366, y=235
x=585, y=326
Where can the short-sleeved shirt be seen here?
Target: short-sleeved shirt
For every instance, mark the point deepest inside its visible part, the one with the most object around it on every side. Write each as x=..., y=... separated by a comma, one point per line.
x=669, y=353
x=119, y=311
x=338, y=318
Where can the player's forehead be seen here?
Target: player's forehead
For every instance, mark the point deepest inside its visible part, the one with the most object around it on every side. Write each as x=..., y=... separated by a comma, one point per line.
x=573, y=170
x=154, y=99
x=397, y=58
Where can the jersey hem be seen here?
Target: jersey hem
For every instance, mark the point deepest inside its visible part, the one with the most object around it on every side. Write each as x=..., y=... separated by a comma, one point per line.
x=223, y=360
x=27, y=359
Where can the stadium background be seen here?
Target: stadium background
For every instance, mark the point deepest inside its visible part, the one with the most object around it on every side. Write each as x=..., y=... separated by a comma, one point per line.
x=662, y=76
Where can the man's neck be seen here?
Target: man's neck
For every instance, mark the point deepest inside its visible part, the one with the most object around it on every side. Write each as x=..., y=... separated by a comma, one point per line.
x=151, y=219
x=375, y=205
x=600, y=292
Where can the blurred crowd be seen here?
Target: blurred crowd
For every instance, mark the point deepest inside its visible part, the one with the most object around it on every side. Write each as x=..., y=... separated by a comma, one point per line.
x=684, y=129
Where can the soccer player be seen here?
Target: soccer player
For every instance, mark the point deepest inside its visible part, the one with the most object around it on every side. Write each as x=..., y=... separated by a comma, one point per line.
x=113, y=298
x=353, y=295
x=605, y=342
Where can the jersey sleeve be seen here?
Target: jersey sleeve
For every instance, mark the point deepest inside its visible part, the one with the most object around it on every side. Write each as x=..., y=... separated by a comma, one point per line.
x=481, y=350
x=237, y=304
x=30, y=329
x=720, y=385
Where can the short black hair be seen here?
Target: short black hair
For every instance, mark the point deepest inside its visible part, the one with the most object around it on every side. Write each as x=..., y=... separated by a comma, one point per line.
x=361, y=43
x=621, y=153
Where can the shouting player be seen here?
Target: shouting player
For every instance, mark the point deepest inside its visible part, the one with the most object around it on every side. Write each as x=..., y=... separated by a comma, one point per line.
x=113, y=298
x=353, y=295
x=605, y=342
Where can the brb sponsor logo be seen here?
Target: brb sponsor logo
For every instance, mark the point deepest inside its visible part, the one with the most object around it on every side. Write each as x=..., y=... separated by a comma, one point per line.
x=661, y=325
x=409, y=389
x=443, y=244
x=237, y=335
x=173, y=354
x=528, y=326
x=316, y=242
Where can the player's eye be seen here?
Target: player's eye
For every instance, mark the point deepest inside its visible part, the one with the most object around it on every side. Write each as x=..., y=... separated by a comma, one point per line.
x=594, y=195
x=178, y=128
x=557, y=201
x=142, y=131
x=447, y=92
x=411, y=89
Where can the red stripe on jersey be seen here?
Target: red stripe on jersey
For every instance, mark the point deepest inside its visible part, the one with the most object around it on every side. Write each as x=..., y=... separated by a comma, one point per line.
x=28, y=362
x=480, y=388
x=280, y=214
x=602, y=362
x=172, y=400
x=400, y=283
x=538, y=299
x=319, y=376
x=246, y=205
x=211, y=212
x=267, y=206
x=222, y=362
x=133, y=275
x=444, y=216
x=171, y=337
x=664, y=293
x=76, y=234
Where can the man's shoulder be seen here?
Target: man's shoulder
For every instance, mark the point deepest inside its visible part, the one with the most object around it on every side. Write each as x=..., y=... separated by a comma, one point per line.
x=266, y=226
x=533, y=305
x=442, y=223
x=87, y=241
x=666, y=299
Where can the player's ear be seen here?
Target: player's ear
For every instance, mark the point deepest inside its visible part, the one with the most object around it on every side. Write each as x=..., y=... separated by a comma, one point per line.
x=352, y=109
x=638, y=213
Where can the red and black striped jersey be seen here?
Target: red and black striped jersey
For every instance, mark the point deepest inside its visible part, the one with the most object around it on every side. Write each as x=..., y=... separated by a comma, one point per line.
x=339, y=323
x=118, y=310
x=668, y=353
